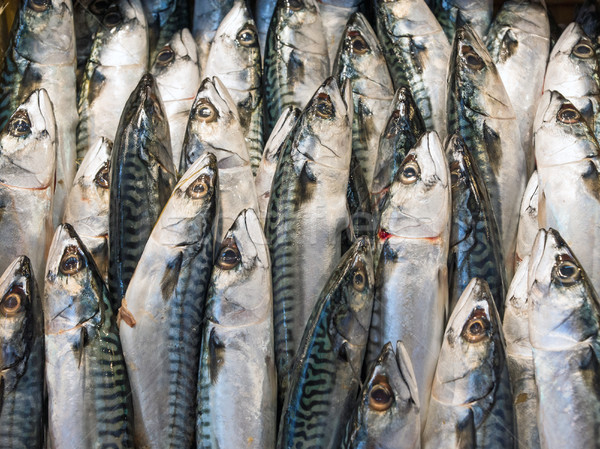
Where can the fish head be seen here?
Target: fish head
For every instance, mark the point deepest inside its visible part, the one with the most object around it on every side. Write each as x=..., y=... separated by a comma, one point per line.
x=17, y=309
x=192, y=205
x=564, y=308
x=280, y=133
x=359, y=59
x=573, y=64
x=236, y=37
x=471, y=357
x=214, y=125
x=418, y=201
x=299, y=23
x=240, y=274
x=27, y=144
x=324, y=136
x=389, y=401
x=176, y=67
x=473, y=77
x=403, y=129
x=351, y=288
x=73, y=287
x=45, y=32
x=516, y=312
x=561, y=134
x=122, y=38
x=89, y=195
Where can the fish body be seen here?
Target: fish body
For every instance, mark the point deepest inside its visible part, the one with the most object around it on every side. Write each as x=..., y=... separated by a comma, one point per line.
x=240, y=72
x=214, y=126
x=27, y=174
x=359, y=207
x=413, y=237
x=475, y=248
x=263, y=12
x=296, y=59
x=237, y=355
x=118, y=59
x=326, y=377
x=42, y=55
x=471, y=400
x=89, y=402
x=454, y=13
x=165, y=18
x=519, y=44
x=360, y=60
x=417, y=54
x=270, y=158
x=142, y=176
x=88, y=203
x=22, y=346
x=162, y=311
x=519, y=357
x=386, y=415
x=564, y=320
x=178, y=78
x=335, y=15
x=568, y=159
x=528, y=220
x=480, y=111
x=306, y=215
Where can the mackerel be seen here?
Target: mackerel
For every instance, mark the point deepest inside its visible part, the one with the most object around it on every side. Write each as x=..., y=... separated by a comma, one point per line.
x=528, y=220
x=162, y=311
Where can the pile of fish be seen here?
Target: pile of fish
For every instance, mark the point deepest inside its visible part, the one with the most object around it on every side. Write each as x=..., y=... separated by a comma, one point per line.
x=306, y=224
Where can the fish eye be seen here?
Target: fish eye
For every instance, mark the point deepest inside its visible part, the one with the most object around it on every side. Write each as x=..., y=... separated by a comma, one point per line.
x=199, y=188
x=40, y=5
x=477, y=327
x=20, y=125
x=101, y=178
x=99, y=7
x=324, y=106
x=472, y=59
x=357, y=43
x=112, y=19
x=380, y=396
x=566, y=271
x=12, y=300
x=229, y=255
x=359, y=278
x=410, y=172
x=72, y=261
x=568, y=114
x=206, y=112
x=583, y=49
x=165, y=56
x=295, y=5
x=247, y=37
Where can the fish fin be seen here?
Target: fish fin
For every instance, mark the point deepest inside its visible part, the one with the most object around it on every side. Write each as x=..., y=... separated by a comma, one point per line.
x=509, y=45
x=125, y=315
x=465, y=432
x=216, y=350
x=168, y=283
x=81, y=345
x=493, y=146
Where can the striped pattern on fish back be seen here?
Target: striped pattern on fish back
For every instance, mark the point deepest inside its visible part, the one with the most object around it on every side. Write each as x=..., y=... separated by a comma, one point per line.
x=135, y=204
x=305, y=422
x=277, y=94
x=498, y=430
x=21, y=418
x=280, y=229
x=83, y=109
x=10, y=82
x=204, y=438
x=112, y=394
x=254, y=133
x=360, y=147
x=406, y=70
x=184, y=338
x=475, y=256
